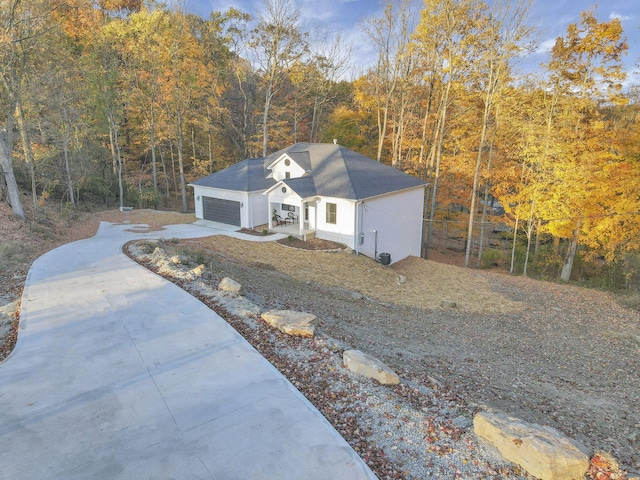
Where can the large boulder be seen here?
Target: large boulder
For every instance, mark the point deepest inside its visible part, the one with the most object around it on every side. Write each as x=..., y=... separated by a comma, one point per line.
x=542, y=451
x=230, y=285
x=6, y=318
x=291, y=322
x=369, y=366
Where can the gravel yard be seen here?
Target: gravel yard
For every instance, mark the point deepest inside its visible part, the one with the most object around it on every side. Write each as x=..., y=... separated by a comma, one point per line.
x=551, y=354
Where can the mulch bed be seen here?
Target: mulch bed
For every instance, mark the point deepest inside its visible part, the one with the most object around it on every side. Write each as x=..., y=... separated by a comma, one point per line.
x=313, y=244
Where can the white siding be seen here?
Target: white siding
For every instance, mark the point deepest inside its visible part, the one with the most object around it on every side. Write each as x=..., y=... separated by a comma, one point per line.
x=279, y=170
x=258, y=211
x=397, y=218
x=343, y=230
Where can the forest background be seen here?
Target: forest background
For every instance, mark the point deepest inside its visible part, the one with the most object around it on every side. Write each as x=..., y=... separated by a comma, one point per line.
x=124, y=102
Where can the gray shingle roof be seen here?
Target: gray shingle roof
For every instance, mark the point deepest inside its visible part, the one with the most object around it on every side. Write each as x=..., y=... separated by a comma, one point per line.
x=305, y=187
x=249, y=175
x=335, y=171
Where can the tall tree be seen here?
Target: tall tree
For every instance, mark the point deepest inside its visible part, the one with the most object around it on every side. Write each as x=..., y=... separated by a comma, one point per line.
x=21, y=26
x=586, y=67
x=444, y=39
x=278, y=43
x=502, y=40
x=391, y=35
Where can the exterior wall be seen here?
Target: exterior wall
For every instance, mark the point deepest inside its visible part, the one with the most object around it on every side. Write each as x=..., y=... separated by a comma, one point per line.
x=343, y=230
x=397, y=218
x=279, y=169
x=277, y=197
x=258, y=211
x=254, y=209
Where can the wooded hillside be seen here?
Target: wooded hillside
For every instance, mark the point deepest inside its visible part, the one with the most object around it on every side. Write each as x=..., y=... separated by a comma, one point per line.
x=123, y=102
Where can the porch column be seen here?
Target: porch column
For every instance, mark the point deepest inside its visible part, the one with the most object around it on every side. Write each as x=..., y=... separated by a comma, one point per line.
x=301, y=219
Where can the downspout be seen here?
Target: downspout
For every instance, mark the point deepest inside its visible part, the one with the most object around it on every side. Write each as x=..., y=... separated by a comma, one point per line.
x=357, y=228
x=375, y=244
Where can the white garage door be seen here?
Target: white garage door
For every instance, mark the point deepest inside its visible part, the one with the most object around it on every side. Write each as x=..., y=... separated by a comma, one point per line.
x=221, y=210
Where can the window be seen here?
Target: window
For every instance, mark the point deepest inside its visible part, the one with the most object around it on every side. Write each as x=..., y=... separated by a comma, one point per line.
x=331, y=212
x=288, y=208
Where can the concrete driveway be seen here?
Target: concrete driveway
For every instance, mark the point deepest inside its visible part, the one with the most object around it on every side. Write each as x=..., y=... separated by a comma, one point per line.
x=119, y=374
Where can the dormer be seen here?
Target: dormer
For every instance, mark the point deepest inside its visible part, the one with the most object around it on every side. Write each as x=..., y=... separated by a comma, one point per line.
x=289, y=165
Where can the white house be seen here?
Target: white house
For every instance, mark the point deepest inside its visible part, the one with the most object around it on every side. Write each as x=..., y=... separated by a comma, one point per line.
x=332, y=193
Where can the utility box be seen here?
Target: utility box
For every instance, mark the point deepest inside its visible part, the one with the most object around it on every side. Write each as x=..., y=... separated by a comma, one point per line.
x=385, y=258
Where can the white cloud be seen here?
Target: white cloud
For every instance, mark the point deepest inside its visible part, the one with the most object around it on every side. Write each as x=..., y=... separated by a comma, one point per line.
x=546, y=46
x=619, y=16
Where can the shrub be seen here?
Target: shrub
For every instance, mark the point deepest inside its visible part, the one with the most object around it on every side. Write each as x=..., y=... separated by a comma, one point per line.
x=493, y=258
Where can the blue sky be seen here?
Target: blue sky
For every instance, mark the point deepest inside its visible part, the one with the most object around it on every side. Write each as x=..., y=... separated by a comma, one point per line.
x=551, y=17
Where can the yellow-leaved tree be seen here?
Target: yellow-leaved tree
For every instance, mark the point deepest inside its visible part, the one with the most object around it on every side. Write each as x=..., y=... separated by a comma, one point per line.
x=585, y=74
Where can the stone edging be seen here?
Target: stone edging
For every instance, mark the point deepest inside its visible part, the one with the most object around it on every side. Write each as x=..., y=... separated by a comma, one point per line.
x=331, y=250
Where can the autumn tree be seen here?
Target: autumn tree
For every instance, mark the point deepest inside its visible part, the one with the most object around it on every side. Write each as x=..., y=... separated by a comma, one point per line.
x=22, y=25
x=278, y=43
x=445, y=41
x=502, y=40
x=391, y=35
x=585, y=67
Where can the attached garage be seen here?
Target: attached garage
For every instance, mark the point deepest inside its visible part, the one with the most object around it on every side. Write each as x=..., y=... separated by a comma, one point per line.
x=221, y=210
x=233, y=196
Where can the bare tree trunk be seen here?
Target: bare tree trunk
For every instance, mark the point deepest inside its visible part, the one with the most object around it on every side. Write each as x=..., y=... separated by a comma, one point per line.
x=166, y=175
x=67, y=169
x=183, y=188
x=28, y=153
x=209, y=141
x=476, y=175
x=565, y=276
x=486, y=191
x=513, y=247
x=115, y=154
x=265, y=123
x=9, y=179
x=152, y=141
x=436, y=155
x=529, y=232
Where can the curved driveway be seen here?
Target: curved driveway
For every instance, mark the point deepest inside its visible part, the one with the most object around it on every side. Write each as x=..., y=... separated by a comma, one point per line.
x=119, y=374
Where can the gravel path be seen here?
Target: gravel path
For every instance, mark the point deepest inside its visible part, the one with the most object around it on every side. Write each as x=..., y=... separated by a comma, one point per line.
x=568, y=360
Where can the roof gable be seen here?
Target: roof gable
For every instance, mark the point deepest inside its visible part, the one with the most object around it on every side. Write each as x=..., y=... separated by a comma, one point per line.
x=342, y=173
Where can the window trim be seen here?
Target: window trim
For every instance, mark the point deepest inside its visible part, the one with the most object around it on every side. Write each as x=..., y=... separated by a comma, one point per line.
x=331, y=211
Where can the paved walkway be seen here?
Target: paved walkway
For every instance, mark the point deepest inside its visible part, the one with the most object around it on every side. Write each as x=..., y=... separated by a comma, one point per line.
x=119, y=374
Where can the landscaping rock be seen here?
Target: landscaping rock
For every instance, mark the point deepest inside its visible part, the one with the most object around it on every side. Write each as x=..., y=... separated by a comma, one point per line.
x=9, y=309
x=178, y=259
x=542, y=451
x=291, y=322
x=229, y=285
x=194, y=273
x=369, y=366
x=6, y=318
